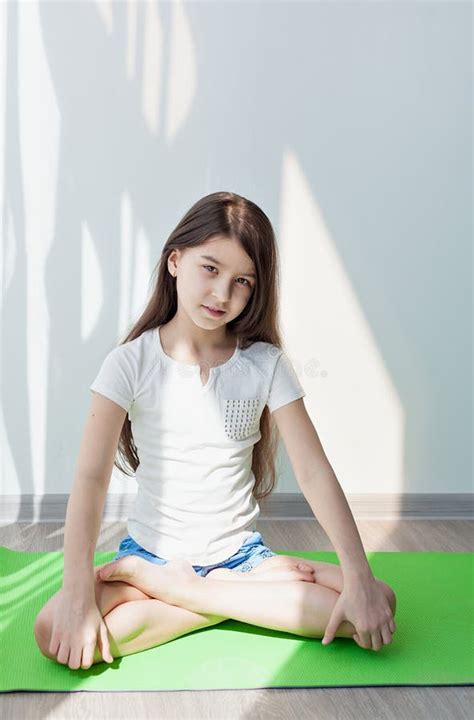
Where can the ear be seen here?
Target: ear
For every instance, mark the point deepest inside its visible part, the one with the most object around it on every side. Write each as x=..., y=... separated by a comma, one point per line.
x=173, y=260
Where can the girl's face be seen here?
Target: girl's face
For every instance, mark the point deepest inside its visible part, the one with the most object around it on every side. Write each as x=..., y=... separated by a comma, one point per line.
x=223, y=280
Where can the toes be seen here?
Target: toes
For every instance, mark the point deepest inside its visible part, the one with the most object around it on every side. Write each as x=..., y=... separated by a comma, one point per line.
x=118, y=568
x=104, y=572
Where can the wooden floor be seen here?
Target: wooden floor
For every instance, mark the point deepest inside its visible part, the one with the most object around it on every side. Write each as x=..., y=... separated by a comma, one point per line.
x=282, y=535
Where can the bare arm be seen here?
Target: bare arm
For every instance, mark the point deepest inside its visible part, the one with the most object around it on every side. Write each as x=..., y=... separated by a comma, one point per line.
x=321, y=487
x=87, y=499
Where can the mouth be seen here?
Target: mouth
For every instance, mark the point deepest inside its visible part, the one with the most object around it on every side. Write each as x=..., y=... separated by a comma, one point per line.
x=213, y=311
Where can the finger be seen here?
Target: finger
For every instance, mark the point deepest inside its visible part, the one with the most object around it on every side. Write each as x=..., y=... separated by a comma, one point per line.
x=393, y=627
x=328, y=636
x=104, y=643
x=386, y=635
x=63, y=653
x=100, y=643
x=365, y=639
x=376, y=640
x=88, y=655
x=334, y=621
x=75, y=655
x=54, y=643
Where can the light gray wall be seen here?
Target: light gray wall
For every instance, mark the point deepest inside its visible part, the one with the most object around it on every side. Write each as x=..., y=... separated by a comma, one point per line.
x=348, y=123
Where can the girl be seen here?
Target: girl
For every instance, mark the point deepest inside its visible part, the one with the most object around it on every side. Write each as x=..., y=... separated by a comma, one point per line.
x=194, y=400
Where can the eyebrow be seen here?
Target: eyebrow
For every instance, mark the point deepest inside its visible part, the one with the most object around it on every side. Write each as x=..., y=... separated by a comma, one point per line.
x=217, y=262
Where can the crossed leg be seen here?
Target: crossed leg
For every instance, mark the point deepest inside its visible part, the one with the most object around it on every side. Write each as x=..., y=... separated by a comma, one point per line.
x=302, y=608
x=132, y=624
x=326, y=574
x=120, y=605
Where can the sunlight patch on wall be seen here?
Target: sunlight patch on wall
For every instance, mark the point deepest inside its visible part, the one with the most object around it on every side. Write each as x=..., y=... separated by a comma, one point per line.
x=142, y=269
x=135, y=267
x=126, y=261
x=131, y=50
x=3, y=114
x=92, y=286
x=182, y=81
x=105, y=10
x=351, y=398
x=152, y=67
x=8, y=469
x=38, y=154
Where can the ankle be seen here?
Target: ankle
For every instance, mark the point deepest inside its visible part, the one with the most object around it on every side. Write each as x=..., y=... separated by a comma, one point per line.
x=189, y=593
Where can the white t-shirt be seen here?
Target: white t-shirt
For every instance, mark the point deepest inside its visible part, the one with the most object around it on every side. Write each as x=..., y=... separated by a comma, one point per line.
x=195, y=442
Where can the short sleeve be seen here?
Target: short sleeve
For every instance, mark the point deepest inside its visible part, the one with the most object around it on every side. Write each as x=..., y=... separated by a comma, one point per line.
x=285, y=386
x=115, y=378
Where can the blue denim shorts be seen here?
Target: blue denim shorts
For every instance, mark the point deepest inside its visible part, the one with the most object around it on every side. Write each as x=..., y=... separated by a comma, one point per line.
x=250, y=554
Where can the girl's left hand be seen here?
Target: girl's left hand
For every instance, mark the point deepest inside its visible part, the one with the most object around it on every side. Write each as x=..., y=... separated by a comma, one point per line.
x=365, y=605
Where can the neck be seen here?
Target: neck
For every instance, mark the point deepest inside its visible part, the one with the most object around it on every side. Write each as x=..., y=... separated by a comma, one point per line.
x=183, y=336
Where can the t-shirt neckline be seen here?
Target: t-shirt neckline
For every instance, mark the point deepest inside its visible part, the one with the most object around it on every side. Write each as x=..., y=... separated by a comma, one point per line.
x=196, y=368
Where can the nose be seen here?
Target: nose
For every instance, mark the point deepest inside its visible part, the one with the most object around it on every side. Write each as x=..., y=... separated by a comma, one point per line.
x=221, y=293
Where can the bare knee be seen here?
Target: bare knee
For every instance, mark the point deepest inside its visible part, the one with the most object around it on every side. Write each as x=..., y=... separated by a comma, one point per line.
x=108, y=595
x=42, y=631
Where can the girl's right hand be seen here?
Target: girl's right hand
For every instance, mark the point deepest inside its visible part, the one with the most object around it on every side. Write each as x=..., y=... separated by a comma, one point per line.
x=77, y=628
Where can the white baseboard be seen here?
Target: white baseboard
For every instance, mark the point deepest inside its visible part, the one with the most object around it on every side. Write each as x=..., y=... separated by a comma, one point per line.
x=279, y=506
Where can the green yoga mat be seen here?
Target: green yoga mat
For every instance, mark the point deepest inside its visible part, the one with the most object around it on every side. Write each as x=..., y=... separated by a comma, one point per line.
x=433, y=644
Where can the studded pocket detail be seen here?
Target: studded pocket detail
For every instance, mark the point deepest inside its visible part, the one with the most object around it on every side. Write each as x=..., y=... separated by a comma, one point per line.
x=241, y=418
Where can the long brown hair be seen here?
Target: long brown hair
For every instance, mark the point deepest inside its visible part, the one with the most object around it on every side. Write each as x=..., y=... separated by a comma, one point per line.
x=230, y=215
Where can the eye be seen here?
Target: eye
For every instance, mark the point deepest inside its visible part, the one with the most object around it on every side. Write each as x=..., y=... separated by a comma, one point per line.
x=213, y=268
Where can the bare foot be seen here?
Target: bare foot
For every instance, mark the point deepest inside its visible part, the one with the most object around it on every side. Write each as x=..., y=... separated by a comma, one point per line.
x=171, y=582
x=270, y=575
x=286, y=574
x=164, y=582
x=301, y=571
